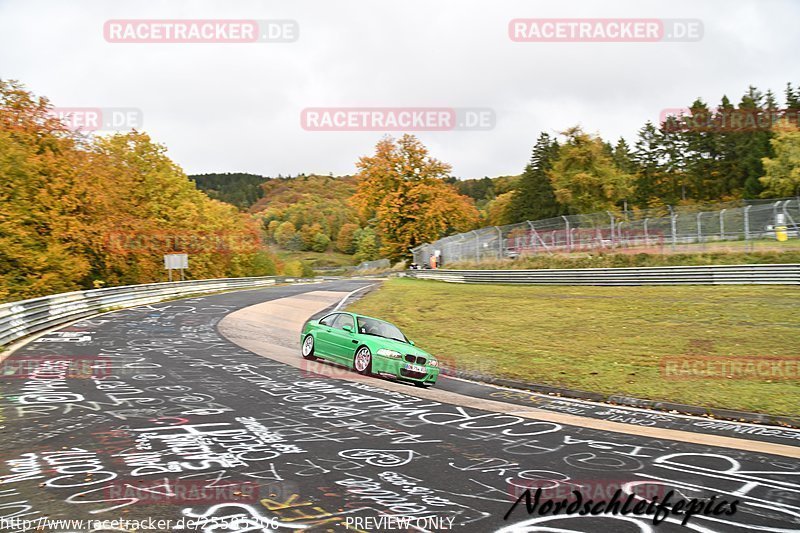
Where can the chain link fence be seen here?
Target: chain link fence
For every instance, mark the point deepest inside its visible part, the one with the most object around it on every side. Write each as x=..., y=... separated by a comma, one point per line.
x=667, y=230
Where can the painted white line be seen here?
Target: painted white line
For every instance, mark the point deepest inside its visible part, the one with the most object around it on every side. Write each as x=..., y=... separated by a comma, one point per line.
x=349, y=294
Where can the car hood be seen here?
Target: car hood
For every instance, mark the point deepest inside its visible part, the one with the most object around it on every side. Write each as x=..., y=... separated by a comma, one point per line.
x=398, y=346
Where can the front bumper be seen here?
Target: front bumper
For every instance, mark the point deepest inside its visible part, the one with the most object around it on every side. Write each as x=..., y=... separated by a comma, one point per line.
x=397, y=369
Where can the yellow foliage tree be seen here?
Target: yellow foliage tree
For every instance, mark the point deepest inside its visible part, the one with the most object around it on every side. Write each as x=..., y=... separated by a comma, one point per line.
x=80, y=212
x=401, y=190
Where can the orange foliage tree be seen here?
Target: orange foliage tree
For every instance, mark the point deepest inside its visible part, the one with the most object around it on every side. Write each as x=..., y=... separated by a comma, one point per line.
x=78, y=211
x=402, y=191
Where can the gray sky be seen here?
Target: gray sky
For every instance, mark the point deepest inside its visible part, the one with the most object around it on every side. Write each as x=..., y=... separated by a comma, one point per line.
x=236, y=107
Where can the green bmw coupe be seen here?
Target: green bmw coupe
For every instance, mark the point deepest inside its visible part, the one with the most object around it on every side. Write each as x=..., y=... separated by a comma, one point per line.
x=368, y=345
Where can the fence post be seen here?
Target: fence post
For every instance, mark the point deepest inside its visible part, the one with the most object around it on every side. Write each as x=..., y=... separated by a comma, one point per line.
x=789, y=217
x=673, y=222
x=539, y=237
x=477, y=246
x=646, y=236
x=532, y=234
x=568, y=236
x=499, y=242
x=699, y=229
x=722, y=224
x=747, y=225
x=612, y=226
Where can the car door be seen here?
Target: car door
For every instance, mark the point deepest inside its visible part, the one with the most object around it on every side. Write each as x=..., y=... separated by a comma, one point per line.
x=324, y=337
x=343, y=342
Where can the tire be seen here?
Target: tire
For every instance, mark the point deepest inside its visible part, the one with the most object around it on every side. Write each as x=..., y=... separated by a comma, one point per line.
x=307, y=350
x=421, y=385
x=362, y=361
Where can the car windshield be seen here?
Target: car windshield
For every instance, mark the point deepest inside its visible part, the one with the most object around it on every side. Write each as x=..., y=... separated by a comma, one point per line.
x=379, y=328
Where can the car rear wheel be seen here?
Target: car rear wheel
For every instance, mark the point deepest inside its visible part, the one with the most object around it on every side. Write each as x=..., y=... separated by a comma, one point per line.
x=421, y=384
x=308, y=348
x=362, y=361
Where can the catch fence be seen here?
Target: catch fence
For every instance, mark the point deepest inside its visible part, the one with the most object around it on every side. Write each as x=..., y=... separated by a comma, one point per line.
x=683, y=229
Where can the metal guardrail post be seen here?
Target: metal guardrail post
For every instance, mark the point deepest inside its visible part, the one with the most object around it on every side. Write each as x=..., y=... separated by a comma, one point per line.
x=722, y=224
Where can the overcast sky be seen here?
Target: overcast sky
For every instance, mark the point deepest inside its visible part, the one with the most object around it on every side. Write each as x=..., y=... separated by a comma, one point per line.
x=236, y=107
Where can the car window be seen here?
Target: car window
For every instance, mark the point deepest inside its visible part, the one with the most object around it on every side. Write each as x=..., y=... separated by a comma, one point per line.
x=379, y=328
x=344, y=320
x=329, y=320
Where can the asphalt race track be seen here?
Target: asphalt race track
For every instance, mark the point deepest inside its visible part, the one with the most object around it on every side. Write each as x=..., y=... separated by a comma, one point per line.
x=153, y=414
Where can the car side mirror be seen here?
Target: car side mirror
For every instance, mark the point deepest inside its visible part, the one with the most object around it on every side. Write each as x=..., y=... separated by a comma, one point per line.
x=411, y=343
x=348, y=327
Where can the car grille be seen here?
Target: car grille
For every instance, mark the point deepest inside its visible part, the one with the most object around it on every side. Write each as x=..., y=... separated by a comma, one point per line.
x=410, y=374
x=415, y=360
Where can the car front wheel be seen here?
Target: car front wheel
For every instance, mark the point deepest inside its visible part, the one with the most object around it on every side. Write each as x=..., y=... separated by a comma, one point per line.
x=308, y=348
x=362, y=361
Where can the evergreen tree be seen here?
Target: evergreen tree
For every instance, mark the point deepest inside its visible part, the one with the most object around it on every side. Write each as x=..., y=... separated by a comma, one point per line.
x=535, y=198
x=649, y=174
x=622, y=157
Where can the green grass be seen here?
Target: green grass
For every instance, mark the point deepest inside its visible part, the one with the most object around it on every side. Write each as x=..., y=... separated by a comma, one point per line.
x=317, y=259
x=603, y=339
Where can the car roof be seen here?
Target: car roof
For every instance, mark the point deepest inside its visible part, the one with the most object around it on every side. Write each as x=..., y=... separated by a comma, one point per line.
x=357, y=315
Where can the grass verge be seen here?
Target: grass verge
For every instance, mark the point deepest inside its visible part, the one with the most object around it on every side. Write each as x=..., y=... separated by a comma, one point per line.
x=328, y=259
x=604, y=339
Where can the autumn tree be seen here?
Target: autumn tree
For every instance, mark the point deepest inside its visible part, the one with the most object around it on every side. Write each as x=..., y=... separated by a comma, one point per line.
x=366, y=245
x=585, y=177
x=499, y=211
x=320, y=242
x=345, y=242
x=308, y=232
x=79, y=212
x=285, y=233
x=402, y=190
x=782, y=172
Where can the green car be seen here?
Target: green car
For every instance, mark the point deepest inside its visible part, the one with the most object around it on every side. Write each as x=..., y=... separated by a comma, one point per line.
x=368, y=345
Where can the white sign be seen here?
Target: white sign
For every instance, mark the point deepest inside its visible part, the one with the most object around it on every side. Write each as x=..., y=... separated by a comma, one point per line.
x=176, y=261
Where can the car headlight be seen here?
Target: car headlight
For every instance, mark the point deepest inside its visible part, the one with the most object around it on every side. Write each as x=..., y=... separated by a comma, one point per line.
x=389, y=353
x=433, y=362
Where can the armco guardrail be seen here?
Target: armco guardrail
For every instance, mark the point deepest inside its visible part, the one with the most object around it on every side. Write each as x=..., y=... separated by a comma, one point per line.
x=787, y=274
x=20, y=319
